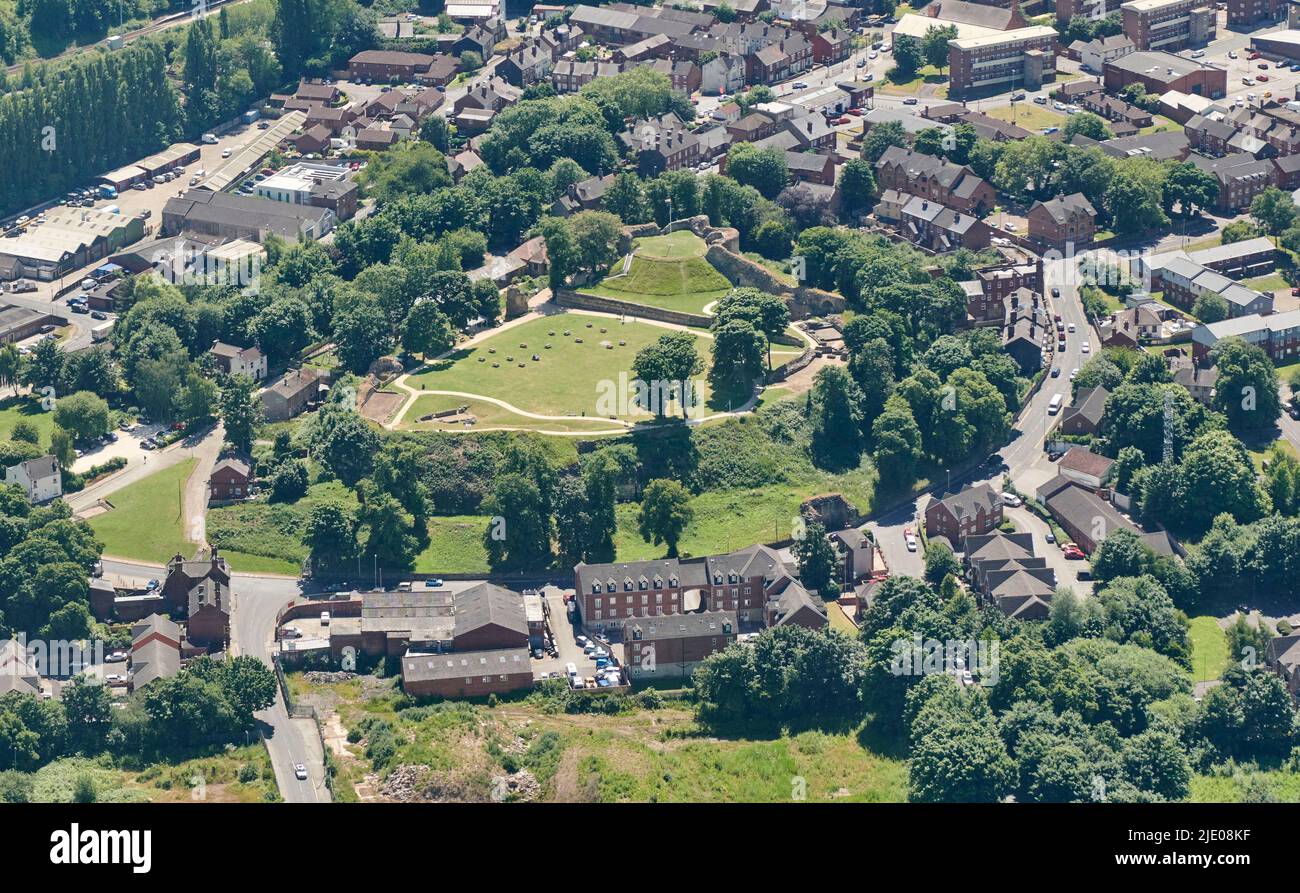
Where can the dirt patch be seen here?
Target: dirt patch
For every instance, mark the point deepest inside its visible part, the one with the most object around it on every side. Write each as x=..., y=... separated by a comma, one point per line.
x=802, y=381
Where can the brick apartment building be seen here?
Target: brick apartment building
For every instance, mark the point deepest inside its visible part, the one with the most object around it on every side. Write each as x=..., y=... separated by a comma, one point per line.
x=1244, y=13
x=1169, y=25
x=1063, y=220
x=388, y=65
x=953, y=185
x=674, y=646
x=1025, y=57
x=1277, y=334
x=970, y=511
x=749, y=582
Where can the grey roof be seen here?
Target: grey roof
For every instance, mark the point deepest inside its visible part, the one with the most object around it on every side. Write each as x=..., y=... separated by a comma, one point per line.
x=486, y=604
x=221, y=208
x=1063, y=207
x=969, y=500
x=793, y=599
x=465, y=664
x=156, y=623
x=1159, y=66
x=1089, y=403
x=681, y=626
x=627, y=577
x=154, y=660
x=40, y=467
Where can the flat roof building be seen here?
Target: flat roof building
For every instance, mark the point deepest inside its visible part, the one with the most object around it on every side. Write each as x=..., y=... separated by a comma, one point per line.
x=1025, y=57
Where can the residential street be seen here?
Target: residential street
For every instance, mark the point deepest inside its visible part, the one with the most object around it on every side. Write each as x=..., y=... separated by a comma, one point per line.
x=257, y=598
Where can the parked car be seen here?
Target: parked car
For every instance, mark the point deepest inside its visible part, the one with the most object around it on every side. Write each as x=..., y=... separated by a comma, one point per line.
x=291, y=632
x=1041, y=100
x=571, y=670
x=115, y=657
x=1072, y=552
x=1051, y=537
x=1012, y=500
x=911, y=100
x=98, y=314
x=151, y=585
x=1056, y=372
x=1086, y=348
x=910, y=538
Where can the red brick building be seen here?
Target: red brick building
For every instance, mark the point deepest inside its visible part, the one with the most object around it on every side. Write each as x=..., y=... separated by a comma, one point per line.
x=674, y=646
x=1063, y=220
x=230, y=480
x=970, y=511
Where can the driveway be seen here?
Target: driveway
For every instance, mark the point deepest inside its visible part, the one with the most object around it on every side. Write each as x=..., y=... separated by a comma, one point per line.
x=565, y=641
x=1067, y=572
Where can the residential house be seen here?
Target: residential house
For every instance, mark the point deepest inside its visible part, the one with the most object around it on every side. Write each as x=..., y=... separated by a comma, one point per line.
x=1240, y=177
x=1025, y=331
x=1003, y=568
x=525, y=66
x=1084, y=416
x=40, y=478
x=230, y=480
x=293, y=392
x=661, y=144
x=1094, y=54
x=939, y=228
x=724, y=73
x=233, y=360
x=1063, y=220
x=1085, y=467
x=857, y=553
x=584, y=195
x=1283, y=654
x=937, y=179
x=1277, y=334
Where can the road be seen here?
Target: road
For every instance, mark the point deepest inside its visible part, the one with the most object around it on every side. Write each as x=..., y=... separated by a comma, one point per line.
x=257, y=599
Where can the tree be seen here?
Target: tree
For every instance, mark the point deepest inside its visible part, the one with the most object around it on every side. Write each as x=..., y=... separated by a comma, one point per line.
x=940, y=562
x=668, y=365
x=428, y=331
x=83, y=415
x=1210, y=307
x=1190, y=187
x=738, y=351
x=962, y=760
x=880, y=138
x=289, y=482
x=89, y=711
x=1086, y=124
x=897, y=441
x=519, y=535
x=348, y=447
x=767, y=313
x=666, y=512
x=362, y=334
x=857, y=186
x=934, y=45
x=764, y=169
x=1135, y=197
x=62, y=448
x=198, y=399
x=1273, y=210
x=835, y=418
x=908, y=57
x=817, y=559
x=1247, y=388
x=1250, y=716
x=331, y=536
x=596, y=234
x=241, y=411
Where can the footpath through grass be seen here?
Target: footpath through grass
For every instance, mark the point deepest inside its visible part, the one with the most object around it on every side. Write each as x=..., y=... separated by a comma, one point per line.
x=145, y=523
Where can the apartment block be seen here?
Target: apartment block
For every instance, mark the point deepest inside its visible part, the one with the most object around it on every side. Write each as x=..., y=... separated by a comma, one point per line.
x=1025, y=57
x=1169, y=25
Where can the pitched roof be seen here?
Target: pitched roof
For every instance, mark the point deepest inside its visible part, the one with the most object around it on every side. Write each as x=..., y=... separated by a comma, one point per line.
x=1085, y=461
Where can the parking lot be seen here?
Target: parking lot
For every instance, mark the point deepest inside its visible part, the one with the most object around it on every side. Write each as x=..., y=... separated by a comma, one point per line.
x=570, y=650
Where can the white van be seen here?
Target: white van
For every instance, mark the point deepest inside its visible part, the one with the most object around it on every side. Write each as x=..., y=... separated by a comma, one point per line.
x=324, y=618
x=209, y=139
x=1055, y=406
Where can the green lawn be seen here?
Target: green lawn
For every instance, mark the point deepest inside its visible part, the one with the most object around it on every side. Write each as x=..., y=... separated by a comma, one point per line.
x=265, y=537
x=145, y=522
x=927, y=74
x=455, y=546
x=568, y=378
x=732, y=519
x=489, y=415
x=682, y=281
x=1027, y=115
x=15, y=409
x=1209, y=649
x=1272, y=282
x=682, y=243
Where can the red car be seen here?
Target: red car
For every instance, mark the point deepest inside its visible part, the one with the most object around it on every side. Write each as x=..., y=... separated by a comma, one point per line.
x=857, y=113
x=842, y=120
x=1073, y=552
x=1252, y=56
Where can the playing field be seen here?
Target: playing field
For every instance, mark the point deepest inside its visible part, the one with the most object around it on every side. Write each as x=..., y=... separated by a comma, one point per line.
x=666, y=271
x=559, y=365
